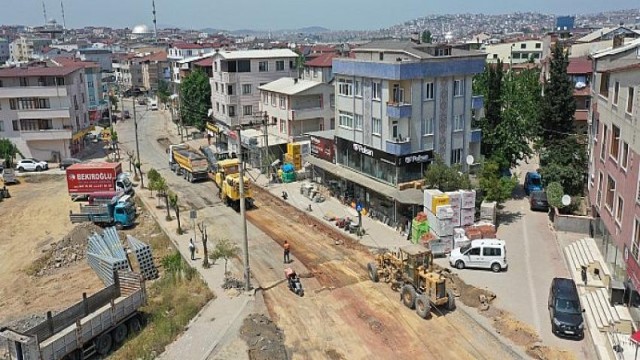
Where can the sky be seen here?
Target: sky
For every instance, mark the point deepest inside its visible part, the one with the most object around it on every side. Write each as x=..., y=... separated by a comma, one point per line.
x=278, y=14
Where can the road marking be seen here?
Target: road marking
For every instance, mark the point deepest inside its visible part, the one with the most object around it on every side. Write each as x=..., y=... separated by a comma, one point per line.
x=536, y=316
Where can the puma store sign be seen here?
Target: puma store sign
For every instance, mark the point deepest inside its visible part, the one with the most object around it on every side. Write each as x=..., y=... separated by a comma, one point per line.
x=363, y=149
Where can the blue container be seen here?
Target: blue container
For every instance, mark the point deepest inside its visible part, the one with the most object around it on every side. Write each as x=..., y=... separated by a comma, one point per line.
x=288, y=168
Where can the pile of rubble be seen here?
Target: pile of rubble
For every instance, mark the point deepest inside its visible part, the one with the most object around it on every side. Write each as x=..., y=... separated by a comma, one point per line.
x=264, y=339
x=232, y=283
x=66, y=252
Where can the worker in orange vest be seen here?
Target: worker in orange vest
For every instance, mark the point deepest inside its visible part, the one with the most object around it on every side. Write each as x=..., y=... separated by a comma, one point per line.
x=286, y=252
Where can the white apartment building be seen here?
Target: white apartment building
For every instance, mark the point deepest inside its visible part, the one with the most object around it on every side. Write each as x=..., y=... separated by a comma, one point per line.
x=26, y=48
x=43, y=109
x=516, y=52
x=181, y=51
x=237, y=76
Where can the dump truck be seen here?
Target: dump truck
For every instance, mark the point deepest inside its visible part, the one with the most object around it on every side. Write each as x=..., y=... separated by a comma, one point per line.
x=92, y=326
x=410, y=270
x=214, y=154
x=86, y=178
x=227, y=179
x=115, y=213
x=187, y=162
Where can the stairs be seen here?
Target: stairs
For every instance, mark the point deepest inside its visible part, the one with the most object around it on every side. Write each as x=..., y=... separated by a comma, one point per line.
x=22, y=146
x=605, y=317
x=585, y=253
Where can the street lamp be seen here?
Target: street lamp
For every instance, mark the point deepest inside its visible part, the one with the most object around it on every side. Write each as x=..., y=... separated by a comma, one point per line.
x=243, y=214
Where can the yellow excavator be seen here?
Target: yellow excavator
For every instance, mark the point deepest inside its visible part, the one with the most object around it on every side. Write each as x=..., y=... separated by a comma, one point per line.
x=227, y=179
x=410, y=270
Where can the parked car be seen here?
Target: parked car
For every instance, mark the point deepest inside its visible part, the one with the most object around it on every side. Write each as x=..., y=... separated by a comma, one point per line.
x=532, y=182
x=142, y=101
x=65, y=163
x=153, y=106
x=31, y=164
x=538, y=201
x=126, y=114
x=565, y=310
x=483, y=254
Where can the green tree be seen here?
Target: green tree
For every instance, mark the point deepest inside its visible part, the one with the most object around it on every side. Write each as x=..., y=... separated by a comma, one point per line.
x=153, y=175
x=196, y=99
x=557, y=106
x=163, y=91
x=8, y=151
x=445, y=178
x=114, y=102
x=489, y=84
x=555, y=192
x=300, y=60
x=565, y=161
x=496, y=187
x=224, y=249
x=173, y=203
x=426, y=37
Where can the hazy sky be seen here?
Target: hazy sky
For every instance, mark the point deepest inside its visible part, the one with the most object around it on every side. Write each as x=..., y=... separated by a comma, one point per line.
x=278, y=14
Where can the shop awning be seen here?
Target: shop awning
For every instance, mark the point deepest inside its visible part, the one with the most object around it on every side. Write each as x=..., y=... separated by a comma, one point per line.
x=81, y=133
x=212, y=127
x=407, y=197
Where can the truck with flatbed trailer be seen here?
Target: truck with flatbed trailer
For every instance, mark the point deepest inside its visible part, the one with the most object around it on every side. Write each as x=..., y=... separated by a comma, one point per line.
x=187, y=162
x=86, y=178
x=90, y=327
x=120, y=214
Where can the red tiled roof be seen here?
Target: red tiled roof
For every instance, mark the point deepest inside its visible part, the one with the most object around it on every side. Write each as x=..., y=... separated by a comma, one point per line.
x=187, y=46
x=65, y=61
x=323, y=60
x=39, y=71
x=322, y=49
x=580, y=65
x=156, y=56
x=206, y=62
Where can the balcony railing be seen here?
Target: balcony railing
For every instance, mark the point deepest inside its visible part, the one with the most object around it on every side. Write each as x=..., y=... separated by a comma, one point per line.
x=44, y=114
x=476, y=135
x=33, y=91
x=47, y=134
x=477, y=102
x=398, y=110
x=398, y=146
x=307, y=113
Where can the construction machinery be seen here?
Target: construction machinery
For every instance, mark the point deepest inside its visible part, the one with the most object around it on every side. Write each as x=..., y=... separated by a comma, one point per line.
x=410, y=270
x=187, y=162
x=92, y=326
x=227, y=179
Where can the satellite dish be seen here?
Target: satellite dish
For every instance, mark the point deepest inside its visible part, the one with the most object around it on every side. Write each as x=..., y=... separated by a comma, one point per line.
x=209, y=112
x=566, y=200
x=470, y=159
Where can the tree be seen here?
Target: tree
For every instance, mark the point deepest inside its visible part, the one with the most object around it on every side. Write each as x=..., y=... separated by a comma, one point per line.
x=153, y=175
x=489, y=84
x=555, y=192
x=300, y=60
x=173, y=203
x=558, y=105
x=132, y=160
x=224, y=249
x=426, y=37
x=205, y=239
x=114, y=102
x=163, y=91
x=496, y=187
x=163, y=190
x=445, y=178
x=565, y=161
x=8, y=151
x=196, y=99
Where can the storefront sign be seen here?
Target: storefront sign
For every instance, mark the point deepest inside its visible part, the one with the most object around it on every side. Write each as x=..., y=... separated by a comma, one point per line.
x=417, y=158
x=322, y=148
x=212, y=127
x=363, y=149
x=421, y=157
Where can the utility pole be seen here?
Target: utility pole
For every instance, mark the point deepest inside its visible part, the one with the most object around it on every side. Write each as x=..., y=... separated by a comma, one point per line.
x=243, y=214
x=265, y=122
x=135, y=125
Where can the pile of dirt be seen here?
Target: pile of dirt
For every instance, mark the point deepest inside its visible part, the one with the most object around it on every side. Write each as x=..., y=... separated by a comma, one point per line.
x=40, y=178
x=468, y=294
x=264, y=339
x=64, y=253
x=546, y=353
x=232, y=283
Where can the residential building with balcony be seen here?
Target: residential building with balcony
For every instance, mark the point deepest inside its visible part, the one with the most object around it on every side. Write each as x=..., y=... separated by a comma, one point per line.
x=516, y=52
x=614, y=171
x=43, y=109
x=180, y=51
x=397, y=105
x=4, y=50
x=26, y=48
x=319, y=68
x=103, y=57
x=93, y=85
x=580, y=70
x=155, y=68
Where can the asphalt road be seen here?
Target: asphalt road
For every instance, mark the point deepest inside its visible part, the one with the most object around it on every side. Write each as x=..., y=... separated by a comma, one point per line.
x=534, y=258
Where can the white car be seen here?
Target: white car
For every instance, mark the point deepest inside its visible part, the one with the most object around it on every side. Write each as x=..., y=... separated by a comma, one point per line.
x=483, y=254
x=31, y=164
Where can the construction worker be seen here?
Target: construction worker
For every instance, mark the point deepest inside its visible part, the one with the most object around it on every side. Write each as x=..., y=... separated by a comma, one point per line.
x=192, y=249
x=286, y=252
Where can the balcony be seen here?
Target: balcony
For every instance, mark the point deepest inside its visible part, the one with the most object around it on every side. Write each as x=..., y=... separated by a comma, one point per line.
x=308, y=113
x=476, y=135
x=398, y=110
x=228, y=77
x=398, y=147
x=477, y=102
x=581, y=115
x=33, y=91
x=43, y=114
x=48, y=134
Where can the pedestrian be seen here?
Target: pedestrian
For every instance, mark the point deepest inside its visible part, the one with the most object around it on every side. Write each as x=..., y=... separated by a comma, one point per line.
x=192, y=249
x=286, y=252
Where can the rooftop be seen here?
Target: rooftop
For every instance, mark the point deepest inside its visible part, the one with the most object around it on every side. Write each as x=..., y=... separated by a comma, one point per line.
x=257, y=54
x=289, y=86
x=206, y=62
x=184, y=45
x=418, y=51
x=65, y=61
x=156, y=56
x=40, y=70
x=580, y=65
x=322, y=60
x=612, y=51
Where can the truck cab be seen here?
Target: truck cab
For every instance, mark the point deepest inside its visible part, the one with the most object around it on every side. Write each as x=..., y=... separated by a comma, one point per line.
x=124, y=213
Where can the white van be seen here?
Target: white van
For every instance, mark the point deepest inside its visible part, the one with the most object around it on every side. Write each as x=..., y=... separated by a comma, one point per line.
x=483, y=254
x=153, y=105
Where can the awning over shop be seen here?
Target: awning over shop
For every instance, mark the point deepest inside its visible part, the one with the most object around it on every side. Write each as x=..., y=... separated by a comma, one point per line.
x=212, y=127
x=81, y=133
x=407, y=197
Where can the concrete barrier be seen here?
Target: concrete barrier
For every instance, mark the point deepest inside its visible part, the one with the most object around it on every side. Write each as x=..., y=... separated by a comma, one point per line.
x=571, y=223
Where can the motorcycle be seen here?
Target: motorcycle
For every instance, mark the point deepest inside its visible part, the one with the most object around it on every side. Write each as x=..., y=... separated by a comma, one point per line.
x=293, y=281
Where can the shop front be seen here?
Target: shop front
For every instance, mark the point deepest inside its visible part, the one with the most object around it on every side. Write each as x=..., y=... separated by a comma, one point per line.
x=79, y=138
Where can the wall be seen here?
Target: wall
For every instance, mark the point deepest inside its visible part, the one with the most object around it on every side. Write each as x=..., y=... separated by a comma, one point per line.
x=410, y=70
x=571, y=223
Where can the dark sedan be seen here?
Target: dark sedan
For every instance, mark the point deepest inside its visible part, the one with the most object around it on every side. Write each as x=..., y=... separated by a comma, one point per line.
x=538, y=201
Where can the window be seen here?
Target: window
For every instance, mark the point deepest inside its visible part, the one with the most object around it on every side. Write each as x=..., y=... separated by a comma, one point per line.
x=615, y=143
x=630, y=100
x=279, y=65
x=273, y=99
x=428, y=125
x=375, y=90
x=215, y=66
x=345, y=119
x=217, y=90
x=332, y=100
x=474, y=251
x=232, y=110
x=358, y=121
x=1, y=125
x=428, y=91
x=265, y=98
x=456, y=156
x=23, y=81
x=315, y=72
x=610, y=193
x=292, y=65
x=600, y=185
x=217, y=106
x=376, y=126
x=283, y=127
x=345, y=87
x=491, y=251
x=357, y=90
x=538, y=45
x=624, y=159
x=616, y=92
x=636, y=239
x=604, y=85
x=458, y=123
x=282, y=103
x=263, y=66
x=90, y=83
x=394, y=129
x=603, y=147
x=381, y=56
x=619, y=210
x=15, y=125
x=398, y=94
x=246, y=89
x=458, y=87
x=247, y=110
x=229, y=89
x=13, y=104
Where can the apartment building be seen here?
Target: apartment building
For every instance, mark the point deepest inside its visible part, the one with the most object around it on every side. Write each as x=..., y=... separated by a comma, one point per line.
x=155, y=68
x=180, y=51
x=397, y=105
x=103, y=57
x=319, y=68
x=93, y=84
x=26, y=48
x=43, y=109
x=515, y=52
x=614, y=171
x=128, y=71
x=4, y=50
x=580, y=71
